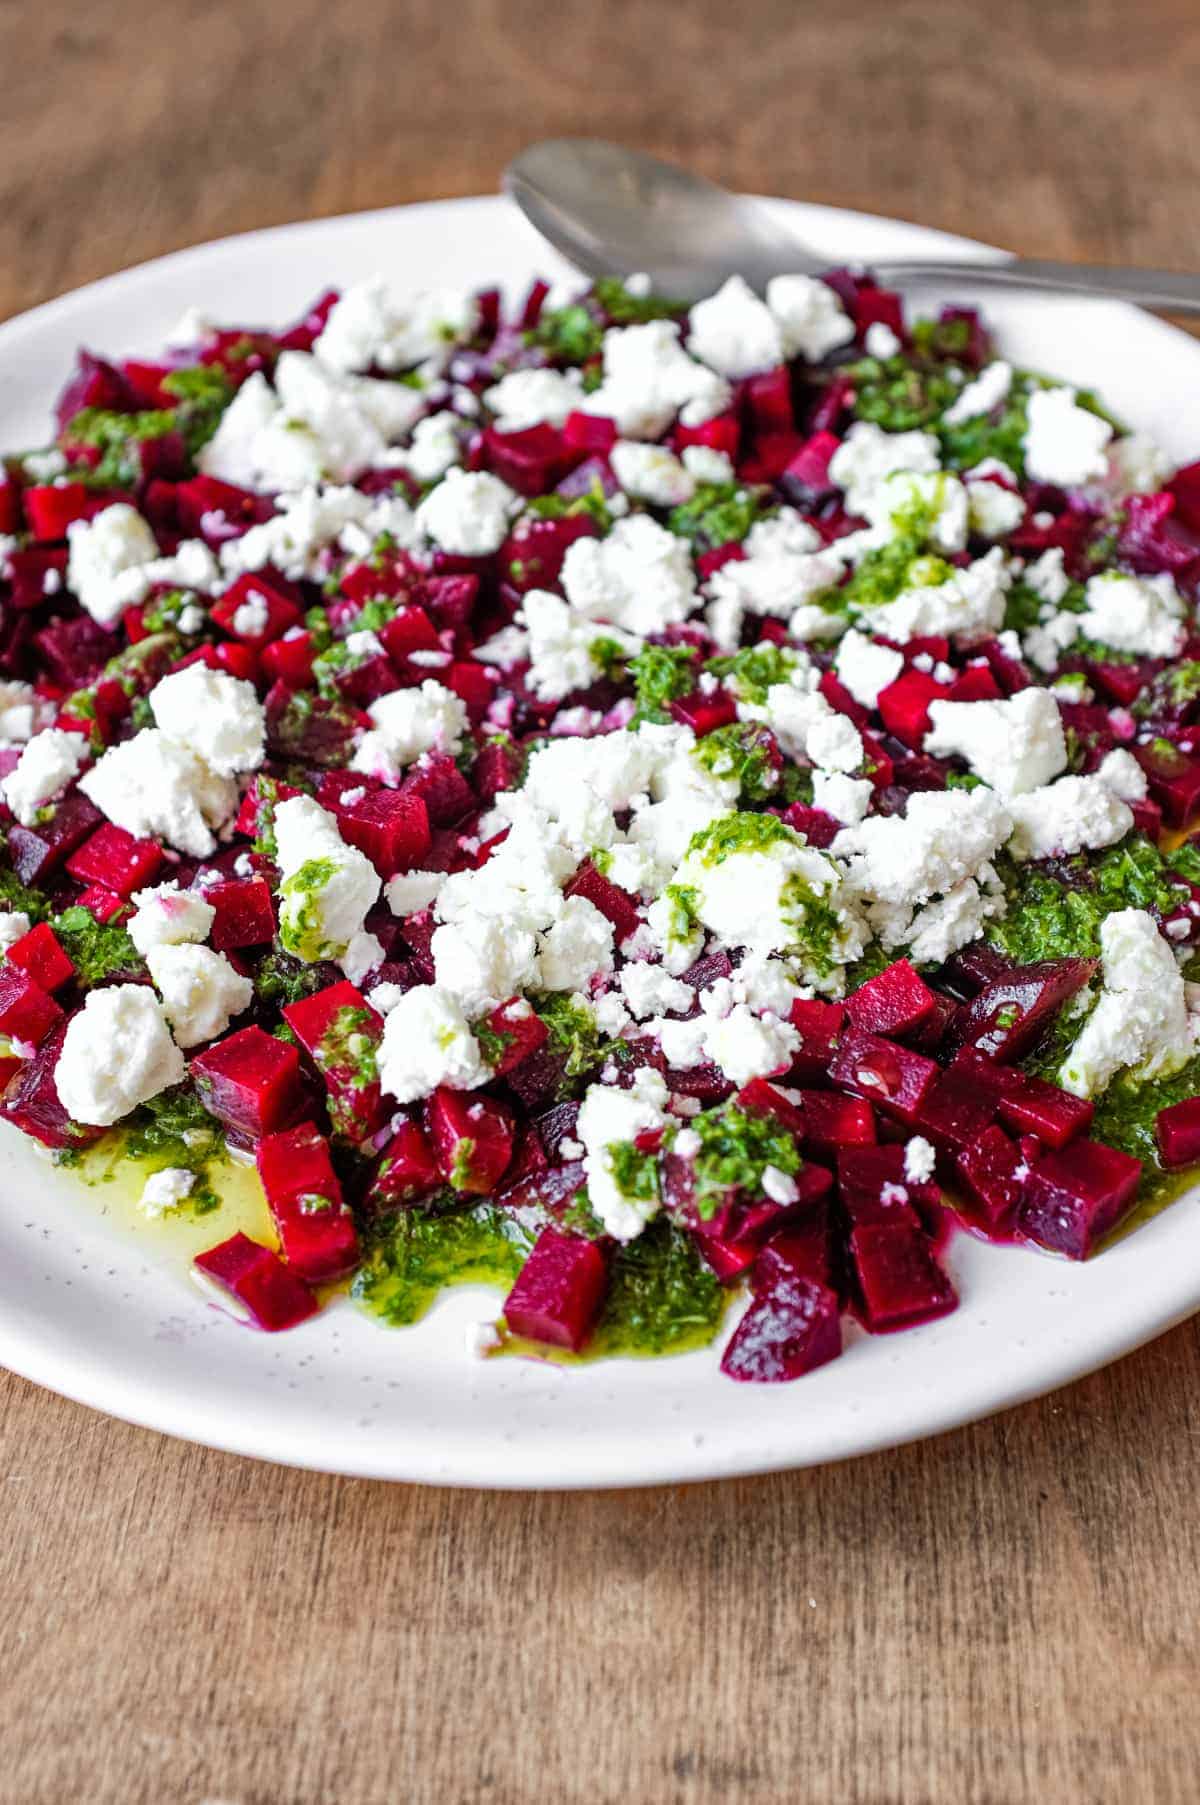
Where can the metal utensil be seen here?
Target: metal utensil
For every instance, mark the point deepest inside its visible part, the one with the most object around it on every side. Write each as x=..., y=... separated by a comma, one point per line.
x=611, y=211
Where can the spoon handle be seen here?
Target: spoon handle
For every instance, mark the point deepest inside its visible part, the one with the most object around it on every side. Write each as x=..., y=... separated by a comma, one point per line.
x=1173, y=291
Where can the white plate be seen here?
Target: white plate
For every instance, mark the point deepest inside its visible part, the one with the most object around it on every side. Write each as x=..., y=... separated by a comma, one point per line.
x=98, y=1315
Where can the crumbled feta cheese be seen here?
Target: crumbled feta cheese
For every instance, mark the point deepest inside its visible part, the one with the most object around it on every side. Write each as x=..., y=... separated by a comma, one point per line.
x=920, y=1160
x=806, y=725
x=117, y=1052
x=13, y=924
x=168, y=916
x=506, y=648
x=1047, y=577
x=481, y=961
x=105, y=561
x=1123, y=775
x=576, y=948
x=847, y=799
x=651, y=473
x=200, y=990
x=1142, y=615
x=781, y=572
x=526, y=398
x=158, y=790
x=747, y=1046
x=707, y=465
x=363, y=955
x=868, y=455
x=326, y=886
x=371, y=326
x=650, y=990
x=50, y=761
x=426, y=1042
x=811, y=319
x=469, y=513
x=993, y=510
x=864, y=668
x=1064, y=443
x=735, y=333
x=968, y=604
x=1136, y=466
x=166, y=1190
x=944, y=837
x=1069, y=816
x=560, y=646
x=252, y=617
x=988, y=391
x=214, y=715
x=1141, y=1019
x=407, y=723
x=436, y=447
x=411, y=891
x=639, y=577
x=608, y=1117
x=20, y=712
x=648, y=378
x=880, y=341
x=1015, y=744
x=295, y=539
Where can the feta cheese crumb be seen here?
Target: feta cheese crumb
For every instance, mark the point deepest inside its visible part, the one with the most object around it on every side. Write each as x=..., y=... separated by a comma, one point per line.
x=1123, y=775
x=649, y=378
x=735, y=333
x=1141, y=1019
x=1069, y=816
x=1142, y=615
x=609, y=1117
x=651, y=473
x=526, y=398
x=920, y=1160
x=747, y=1046
x=117, y=1052
x=105, y=561
x=214, y=715
x=47, y=765
x=201, y=992
x=639, y=577
x=868, y=455
x=811, y=319
x=168, y=916
x=408, y=723
x=989, y=389
x=468, y=513
x=166, y=1190
x=1015, y=744
x=158, y=790
x=1064, y=443
x=865, y=668
x=426, y=1042
x=326, y=886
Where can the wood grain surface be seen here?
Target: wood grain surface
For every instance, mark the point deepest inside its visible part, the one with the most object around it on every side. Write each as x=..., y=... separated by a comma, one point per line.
x=1007, y=1614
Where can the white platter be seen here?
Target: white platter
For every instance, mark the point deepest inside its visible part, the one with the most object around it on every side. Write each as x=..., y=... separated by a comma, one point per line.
x=101, y=1316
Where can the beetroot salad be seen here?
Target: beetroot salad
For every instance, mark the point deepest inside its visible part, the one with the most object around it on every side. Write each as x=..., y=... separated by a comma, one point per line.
x=622, y=802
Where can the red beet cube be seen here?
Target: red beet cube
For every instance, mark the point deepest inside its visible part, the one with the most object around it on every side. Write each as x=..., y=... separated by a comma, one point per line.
x=472, y=1138
x=904, y=706
x=116, y=860
x=27, y=1013
x=102, y=904
x=802, y=1250
x=250, y=1081
x=559, y=1291
x=617, y=905
x=409, y=630
x=792, y=1326
x=899, y=1280
x=954, y=1112
x=315, y=1228
x=437, y=780
x=820, y=1026
x=340, y=1032
x=37, y=851
x=704, y=712
x=762, y=1098
x=1034, y=1106
x=727, y=1259
x=1075, y=1195
x=894, y=1002
x=271, y=1294
x=245, y=915
x=407, y=1170
x=390, y=826
x=1177, y=1130
x=873, y=1189
x=521, y=1029
x=1011, y=1010
x=890, y=1075
x=832, y=1121
x=290, y=659
x=50, y=508
x=32, y=1104
x=39, y=954
x=271, y=606
x=994, y=1172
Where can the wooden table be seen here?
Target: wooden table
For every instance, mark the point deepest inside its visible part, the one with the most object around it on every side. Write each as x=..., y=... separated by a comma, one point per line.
x=1007, y=1614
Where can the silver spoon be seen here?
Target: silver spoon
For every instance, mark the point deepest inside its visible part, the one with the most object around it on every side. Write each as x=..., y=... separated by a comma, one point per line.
x=611, y=211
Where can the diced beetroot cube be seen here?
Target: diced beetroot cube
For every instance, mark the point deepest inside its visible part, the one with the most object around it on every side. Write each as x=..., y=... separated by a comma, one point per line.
x=94, y=383
x=245, y=915
x=37, y=851
x=704, y=712
x=531, y=461
x=722, y=433
x=33, y=574
x=522, y=1030
x=878, y=763
x=274, y=1296
x=1185, y=487
x=819, y=828
x=762, y=1098
x=904, y=705
x=290, y=660
x=10, y=505
x=802, y=1250
x=832, y=1121
x=820, y=1026
x=27, y=1013
x=250, y=1081
x=994, y=1172
x=474, y=684
x=756, y=1220
x=890, y=1075
x=256, y=810
x=975, y=684
x=933, y=1030
x=767, y=399
x=872, y=1187
x=390, y=826
x=31, y=1101
x=954, y=1112
x=899, y=1279
x=1177, y=1131
x=615, y=904
x=497, y=768
x=39, y=954
x=271, y=605
x=1034, y=1106
x=50, y=508
x=209, y=509
x=450, y=598
x=103, y=905
x=591, y=434
x=113, y=858
x=340, y=1031
x=472, y=1138
x=437, y=780
x=407, y=1171
x=315, y=1228
x=1010, y=1012
x=839, y=698
x=1174, y=780
x=809, y=466
x=532, y=555
x=790, y=1328
x=1075, y=1195
x=895, y=1001
x=559, y=1291
x=728, y=1260
x=1154, y=537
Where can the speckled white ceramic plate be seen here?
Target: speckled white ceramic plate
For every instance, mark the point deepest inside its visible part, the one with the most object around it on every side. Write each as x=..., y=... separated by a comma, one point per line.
x=106, y=1317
